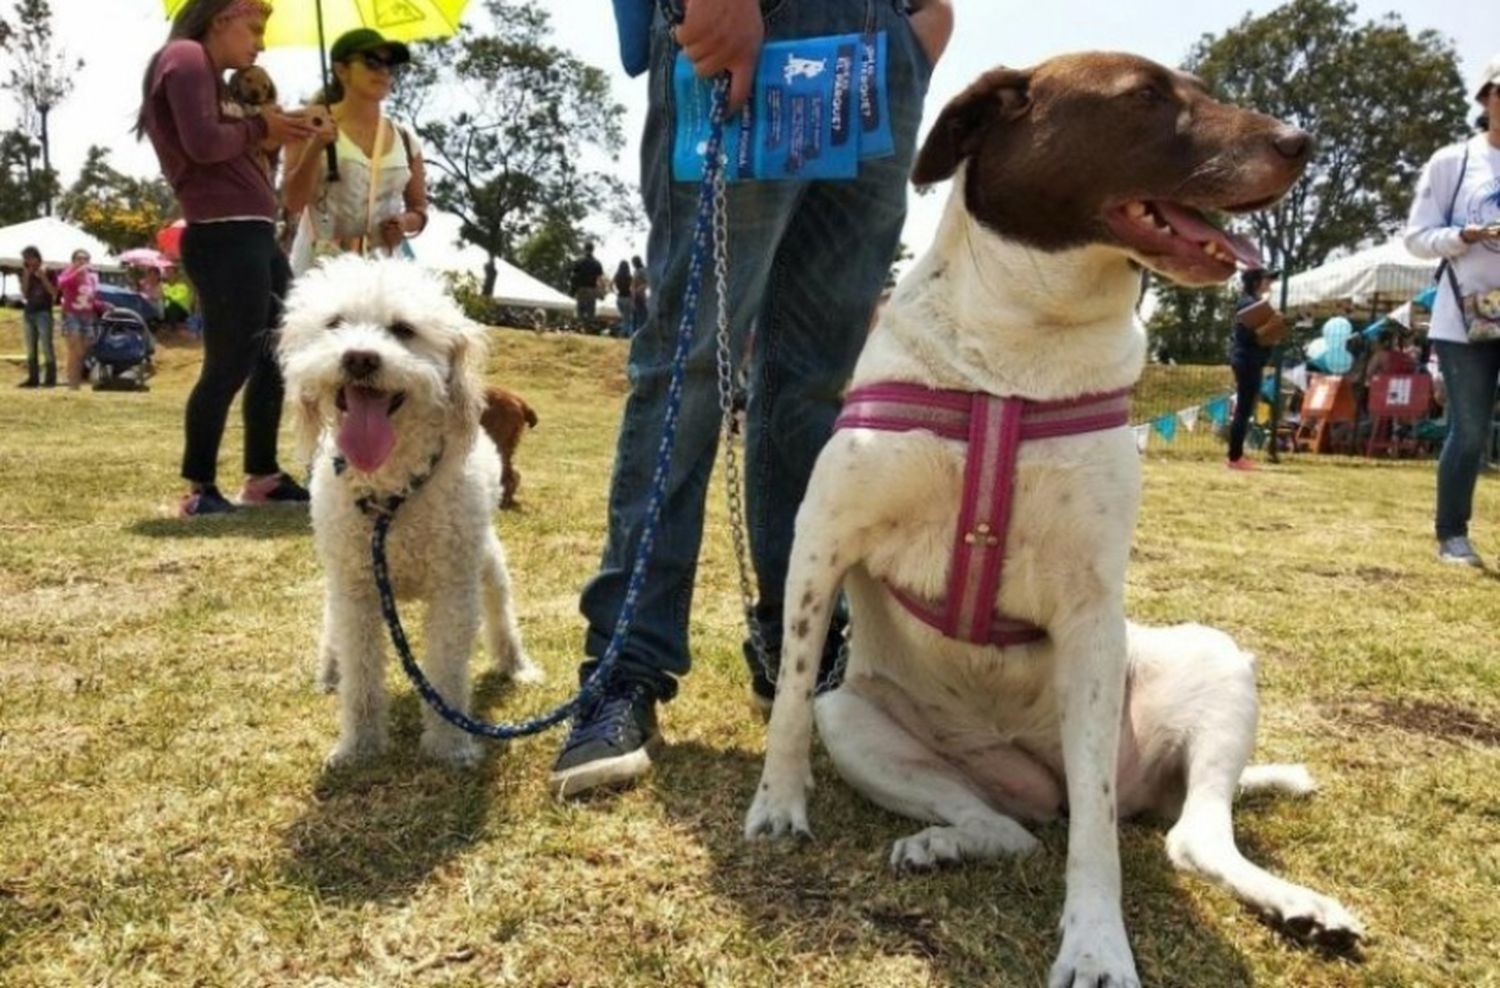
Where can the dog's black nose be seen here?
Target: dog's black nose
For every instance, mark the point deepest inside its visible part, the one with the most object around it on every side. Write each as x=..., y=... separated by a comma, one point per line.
x=1293, y=143
x=361, y=363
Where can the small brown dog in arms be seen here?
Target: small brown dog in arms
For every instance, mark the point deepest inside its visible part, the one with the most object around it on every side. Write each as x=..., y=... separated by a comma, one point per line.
x=252, y=90
x=506, y=418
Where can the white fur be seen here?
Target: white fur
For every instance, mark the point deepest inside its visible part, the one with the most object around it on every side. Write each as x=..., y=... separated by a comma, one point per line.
x=967, y=738
x=442, y=549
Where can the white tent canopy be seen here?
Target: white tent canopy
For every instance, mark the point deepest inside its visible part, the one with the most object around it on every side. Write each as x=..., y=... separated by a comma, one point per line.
x=56, y=240
x=440, y=249
x=1373, y=280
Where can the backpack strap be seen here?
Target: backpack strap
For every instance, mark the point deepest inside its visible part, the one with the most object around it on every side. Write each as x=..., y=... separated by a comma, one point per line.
x=1445, y=266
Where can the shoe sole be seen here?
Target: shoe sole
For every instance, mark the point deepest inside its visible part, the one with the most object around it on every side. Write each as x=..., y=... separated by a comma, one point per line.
x=605, y=773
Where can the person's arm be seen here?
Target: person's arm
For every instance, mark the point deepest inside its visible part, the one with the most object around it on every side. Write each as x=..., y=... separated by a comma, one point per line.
x=305, y=162
x=1430, y=231
x=49, y=283
x=414, y=197
x=192, y=93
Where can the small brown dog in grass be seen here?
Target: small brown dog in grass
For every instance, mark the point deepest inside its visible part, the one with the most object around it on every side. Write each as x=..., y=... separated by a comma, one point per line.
x=506, y=418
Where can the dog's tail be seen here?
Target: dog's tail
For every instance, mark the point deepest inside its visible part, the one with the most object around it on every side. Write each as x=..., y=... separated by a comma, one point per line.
x=1285, y=780
x=529, y=414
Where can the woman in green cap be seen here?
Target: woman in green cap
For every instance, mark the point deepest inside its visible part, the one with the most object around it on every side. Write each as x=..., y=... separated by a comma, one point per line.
x=380, y=196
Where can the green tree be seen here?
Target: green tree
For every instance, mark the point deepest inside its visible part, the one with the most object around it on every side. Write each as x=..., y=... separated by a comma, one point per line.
x=25, y=187
x=1378, y=100
x=122, y=211
x=41, y=76
x=548, y=253
x=505, y=120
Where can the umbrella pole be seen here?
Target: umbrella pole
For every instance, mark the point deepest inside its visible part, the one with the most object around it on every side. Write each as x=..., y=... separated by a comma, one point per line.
x=332, y=150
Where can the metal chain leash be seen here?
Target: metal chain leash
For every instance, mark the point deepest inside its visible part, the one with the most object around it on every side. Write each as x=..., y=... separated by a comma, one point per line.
x=734, y=488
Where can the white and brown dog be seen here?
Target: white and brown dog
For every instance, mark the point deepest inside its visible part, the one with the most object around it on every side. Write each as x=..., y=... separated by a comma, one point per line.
x=383, y=368
x=1068, y=179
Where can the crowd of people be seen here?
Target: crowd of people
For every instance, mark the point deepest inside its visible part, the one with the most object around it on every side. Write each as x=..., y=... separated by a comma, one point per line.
x=630, y=285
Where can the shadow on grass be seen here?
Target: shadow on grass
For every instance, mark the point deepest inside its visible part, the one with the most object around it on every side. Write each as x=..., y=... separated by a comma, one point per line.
x=279, y=522
x=375, y=832
x=986, y=923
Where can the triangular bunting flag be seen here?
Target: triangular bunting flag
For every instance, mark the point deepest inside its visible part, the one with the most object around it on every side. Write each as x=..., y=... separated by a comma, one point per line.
x=1218, y=410
x=1189, y=418
x=1165, y=426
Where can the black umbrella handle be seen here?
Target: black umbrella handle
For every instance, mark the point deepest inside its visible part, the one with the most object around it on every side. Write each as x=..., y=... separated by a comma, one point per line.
x=333, y=162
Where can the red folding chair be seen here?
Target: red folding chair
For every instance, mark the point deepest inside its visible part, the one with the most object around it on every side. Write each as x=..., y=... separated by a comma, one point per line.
x=1397, y=399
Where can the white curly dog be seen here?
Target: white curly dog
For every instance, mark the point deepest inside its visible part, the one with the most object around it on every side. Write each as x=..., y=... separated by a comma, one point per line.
x=383, y=369
x=1069, y=178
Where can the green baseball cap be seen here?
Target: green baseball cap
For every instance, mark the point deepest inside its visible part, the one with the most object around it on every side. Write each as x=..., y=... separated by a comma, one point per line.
x=363, y=39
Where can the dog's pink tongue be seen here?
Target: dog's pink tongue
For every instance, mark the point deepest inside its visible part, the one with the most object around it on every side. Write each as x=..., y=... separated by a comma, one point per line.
x=1190, y=224
x=366, y=436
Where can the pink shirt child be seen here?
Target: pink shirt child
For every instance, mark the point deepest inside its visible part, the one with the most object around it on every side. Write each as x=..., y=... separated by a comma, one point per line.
x=80, y=288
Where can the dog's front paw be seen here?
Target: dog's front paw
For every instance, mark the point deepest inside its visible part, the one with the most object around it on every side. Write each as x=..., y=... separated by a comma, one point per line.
x=1094, y=954
x=780, y=806
x=523, y=671
x=451, y=747
x=351, y=751
x=1317, y=919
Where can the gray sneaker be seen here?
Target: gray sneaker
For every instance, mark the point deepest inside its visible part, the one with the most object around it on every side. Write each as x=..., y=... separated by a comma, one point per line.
x=1459, y=551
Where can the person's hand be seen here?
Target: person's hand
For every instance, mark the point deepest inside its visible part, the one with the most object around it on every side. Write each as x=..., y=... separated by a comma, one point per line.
x=932, y=22
x=325, y=131
x=720, y=35
x=283, y=128
x=1474, y=233
x=398, y=228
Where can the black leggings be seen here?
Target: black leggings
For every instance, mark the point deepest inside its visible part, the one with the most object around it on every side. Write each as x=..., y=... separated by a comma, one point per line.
x=1247, y=395
x=240, y=276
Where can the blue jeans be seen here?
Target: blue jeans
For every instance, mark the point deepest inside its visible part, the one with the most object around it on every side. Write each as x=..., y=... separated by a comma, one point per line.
x=807, y=261
x=1469, y=374
x=38, y=332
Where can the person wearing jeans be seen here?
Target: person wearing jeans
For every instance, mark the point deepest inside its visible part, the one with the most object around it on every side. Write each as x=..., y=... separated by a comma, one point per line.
x=1455, y=216
x=806, y=264
x=38, y=292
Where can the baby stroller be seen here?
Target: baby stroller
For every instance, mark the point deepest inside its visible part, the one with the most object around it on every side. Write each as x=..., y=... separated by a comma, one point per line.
x=121, y=354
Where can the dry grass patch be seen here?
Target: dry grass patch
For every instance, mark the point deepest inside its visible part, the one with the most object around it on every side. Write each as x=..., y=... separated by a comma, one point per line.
x=164, y=819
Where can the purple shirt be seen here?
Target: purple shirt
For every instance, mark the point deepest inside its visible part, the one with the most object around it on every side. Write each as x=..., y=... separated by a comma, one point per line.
x=209, y=159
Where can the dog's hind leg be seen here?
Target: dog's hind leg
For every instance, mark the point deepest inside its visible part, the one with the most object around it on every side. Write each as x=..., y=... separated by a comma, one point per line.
x=894, y=769
x=1202, y=840
x=451, y=626
x=501, y=633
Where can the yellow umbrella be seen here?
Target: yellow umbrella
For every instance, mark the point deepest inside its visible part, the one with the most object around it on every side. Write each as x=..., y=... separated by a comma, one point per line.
x=309, y=22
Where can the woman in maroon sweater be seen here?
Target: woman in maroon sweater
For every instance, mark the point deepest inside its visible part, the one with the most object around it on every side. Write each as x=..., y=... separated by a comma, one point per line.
x=211, y=159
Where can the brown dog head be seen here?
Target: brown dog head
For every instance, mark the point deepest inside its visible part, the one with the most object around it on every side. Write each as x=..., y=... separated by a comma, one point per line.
x=252, y=87
x=1113, y=149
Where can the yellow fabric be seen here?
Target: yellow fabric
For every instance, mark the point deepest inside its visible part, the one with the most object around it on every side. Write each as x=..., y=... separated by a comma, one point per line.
x=295, y=22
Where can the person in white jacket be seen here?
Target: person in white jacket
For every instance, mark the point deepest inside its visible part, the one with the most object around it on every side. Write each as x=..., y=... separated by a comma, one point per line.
x=1456, y=217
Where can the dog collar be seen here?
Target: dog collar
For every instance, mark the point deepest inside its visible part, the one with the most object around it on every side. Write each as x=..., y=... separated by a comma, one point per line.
x=993, y=429
x=371, y=505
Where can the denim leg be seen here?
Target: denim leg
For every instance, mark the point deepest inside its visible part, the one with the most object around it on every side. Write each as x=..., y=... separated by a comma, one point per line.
x=853, y=228
x=30, y=330
x=827, y=275
x=1469, y=375
x=44, y=335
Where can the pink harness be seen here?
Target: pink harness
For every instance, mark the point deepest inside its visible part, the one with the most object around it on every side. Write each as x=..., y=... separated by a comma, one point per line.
x=993, y=428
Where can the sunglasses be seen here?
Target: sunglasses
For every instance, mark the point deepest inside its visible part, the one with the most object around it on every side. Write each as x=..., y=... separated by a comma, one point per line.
x=374, y=61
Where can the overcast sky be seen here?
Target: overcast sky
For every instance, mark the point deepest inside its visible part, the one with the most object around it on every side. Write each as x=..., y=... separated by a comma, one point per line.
x=116, y=37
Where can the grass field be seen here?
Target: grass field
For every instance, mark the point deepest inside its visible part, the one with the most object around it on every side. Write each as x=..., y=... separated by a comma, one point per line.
x=164, y=819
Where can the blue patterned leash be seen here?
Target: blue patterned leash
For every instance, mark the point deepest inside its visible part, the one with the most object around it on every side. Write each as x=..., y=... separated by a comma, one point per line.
x=710, y=199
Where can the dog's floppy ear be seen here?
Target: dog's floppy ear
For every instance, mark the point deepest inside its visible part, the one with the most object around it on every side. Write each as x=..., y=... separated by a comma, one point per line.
x=999, y=95
x=465, y=385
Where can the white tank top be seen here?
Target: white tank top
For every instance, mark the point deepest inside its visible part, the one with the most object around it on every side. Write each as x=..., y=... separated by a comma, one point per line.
x=342, y=210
